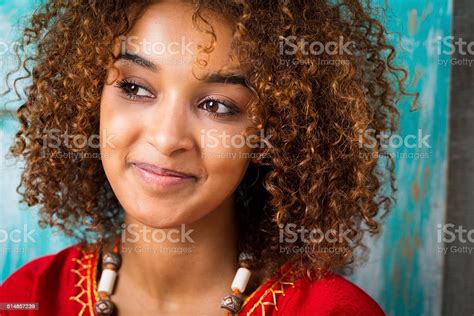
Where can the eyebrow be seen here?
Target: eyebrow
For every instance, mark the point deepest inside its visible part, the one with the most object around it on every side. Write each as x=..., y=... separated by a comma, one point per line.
x=212, y=78
x=140, y=61
x=228, y=79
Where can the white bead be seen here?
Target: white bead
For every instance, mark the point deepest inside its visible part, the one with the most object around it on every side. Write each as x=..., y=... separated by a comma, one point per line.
x=107, y=281
x=241, y=279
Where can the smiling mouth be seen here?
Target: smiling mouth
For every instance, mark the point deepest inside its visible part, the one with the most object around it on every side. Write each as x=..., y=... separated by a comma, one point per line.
x=161, y=171
x=161, y=178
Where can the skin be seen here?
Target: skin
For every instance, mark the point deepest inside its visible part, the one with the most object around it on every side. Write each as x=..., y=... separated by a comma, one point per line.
x=161, y=122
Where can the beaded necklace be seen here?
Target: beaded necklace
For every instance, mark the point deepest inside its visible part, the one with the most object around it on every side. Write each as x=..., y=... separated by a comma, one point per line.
x=111, y=262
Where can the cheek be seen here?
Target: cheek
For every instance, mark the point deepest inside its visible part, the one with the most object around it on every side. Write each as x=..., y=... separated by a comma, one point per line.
x=116, y=123
x=225, y=155
x=223, y=177
x=226, y=172
x=117, y=132
x=229, y=145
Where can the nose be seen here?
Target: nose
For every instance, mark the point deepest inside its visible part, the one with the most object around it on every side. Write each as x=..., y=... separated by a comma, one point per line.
x=168, y=129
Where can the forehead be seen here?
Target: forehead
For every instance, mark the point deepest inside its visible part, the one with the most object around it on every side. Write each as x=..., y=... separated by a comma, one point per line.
x=166, y=35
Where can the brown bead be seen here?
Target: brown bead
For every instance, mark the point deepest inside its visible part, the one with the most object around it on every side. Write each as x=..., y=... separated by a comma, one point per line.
x=110, y=266
x=111, y=258
x=245, y=264
x=232, y=303
x=245, y=260
x=104, y=307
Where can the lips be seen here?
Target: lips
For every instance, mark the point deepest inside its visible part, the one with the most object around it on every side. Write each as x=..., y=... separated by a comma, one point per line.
x=159, y=171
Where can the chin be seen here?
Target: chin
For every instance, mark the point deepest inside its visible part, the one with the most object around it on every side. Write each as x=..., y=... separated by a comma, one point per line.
x=163, y=216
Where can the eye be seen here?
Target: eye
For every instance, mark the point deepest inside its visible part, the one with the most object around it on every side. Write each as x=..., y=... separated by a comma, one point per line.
x=133, y=90
x=217, y=108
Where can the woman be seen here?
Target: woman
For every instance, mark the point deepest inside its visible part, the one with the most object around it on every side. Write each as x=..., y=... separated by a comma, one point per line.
x=211, y=156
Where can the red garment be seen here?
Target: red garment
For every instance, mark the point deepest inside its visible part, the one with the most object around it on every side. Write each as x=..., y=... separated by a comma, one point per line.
x=65, y=284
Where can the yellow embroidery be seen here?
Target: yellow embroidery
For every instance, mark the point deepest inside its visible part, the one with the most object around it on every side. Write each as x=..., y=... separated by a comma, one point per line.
x=83, y=265
x=94, y=277
x=274, y=292
x=252, y=295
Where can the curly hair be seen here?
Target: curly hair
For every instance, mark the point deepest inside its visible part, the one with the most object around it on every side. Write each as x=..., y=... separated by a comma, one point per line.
x=315, y=174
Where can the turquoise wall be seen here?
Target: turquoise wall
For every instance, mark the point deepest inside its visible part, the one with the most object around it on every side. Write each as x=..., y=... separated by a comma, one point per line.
x=404, y=270
x=32, y=242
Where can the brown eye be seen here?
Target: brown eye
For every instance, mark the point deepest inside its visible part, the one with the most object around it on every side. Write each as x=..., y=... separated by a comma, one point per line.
x=214, y=106
x=134, y=90
x=131, y=88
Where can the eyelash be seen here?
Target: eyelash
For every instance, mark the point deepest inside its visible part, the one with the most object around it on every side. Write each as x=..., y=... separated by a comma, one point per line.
x=232, y=108
x=125, y=84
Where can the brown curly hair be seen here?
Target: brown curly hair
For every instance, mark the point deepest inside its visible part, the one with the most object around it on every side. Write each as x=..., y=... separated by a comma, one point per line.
x=314, y=175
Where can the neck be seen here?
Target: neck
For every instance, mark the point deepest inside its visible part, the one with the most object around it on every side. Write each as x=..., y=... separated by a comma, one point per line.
x=201, y=255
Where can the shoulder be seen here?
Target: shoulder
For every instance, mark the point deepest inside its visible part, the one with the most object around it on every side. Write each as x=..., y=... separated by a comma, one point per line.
x=331, y=295
x=28, y=280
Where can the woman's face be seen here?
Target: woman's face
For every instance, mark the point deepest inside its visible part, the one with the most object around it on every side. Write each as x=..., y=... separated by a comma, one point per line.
x=171, y=144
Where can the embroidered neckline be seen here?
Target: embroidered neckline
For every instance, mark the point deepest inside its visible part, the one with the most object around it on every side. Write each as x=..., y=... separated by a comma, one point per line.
x=278, y=283
x=89, y=264
x=84, y=263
